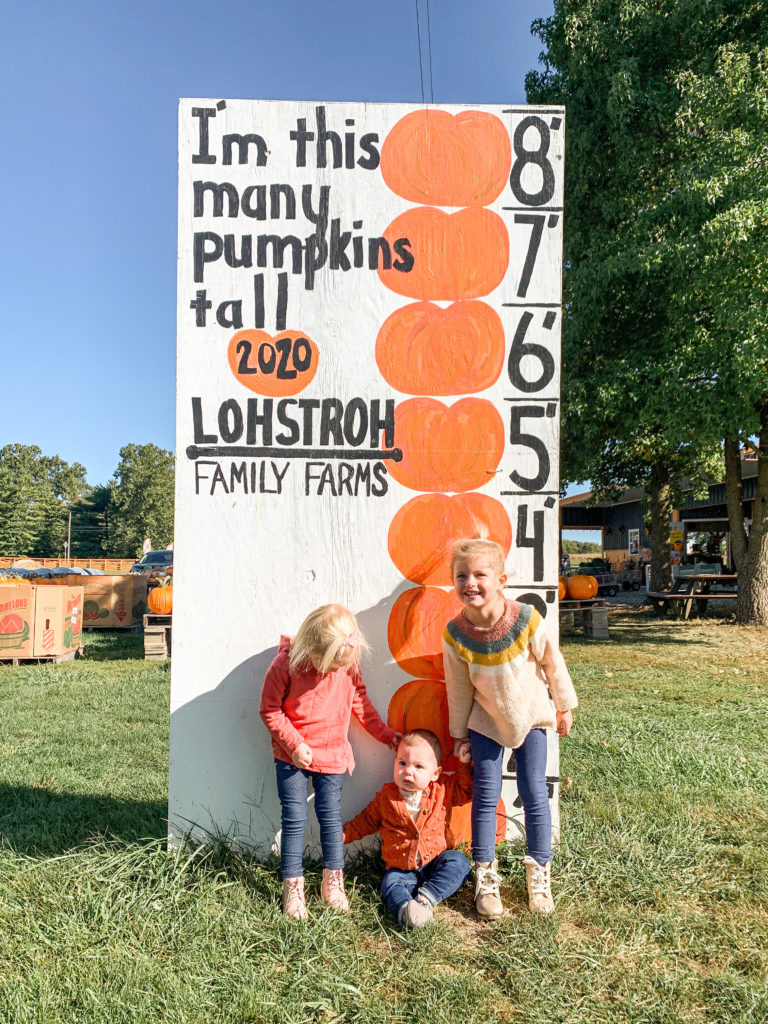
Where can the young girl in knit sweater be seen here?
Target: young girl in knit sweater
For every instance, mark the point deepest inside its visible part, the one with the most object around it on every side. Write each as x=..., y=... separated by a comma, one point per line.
x=500, y=669
x=310, y=691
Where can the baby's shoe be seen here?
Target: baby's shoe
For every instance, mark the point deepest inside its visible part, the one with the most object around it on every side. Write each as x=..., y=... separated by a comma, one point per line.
x=417, y=913
x=293, y=898
x=332, y=890
x=539, y=886
x=487, y=896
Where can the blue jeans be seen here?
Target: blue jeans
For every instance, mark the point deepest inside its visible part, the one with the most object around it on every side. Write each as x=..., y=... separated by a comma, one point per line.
x=292, y=790
x=437, y=880
x=531, y=762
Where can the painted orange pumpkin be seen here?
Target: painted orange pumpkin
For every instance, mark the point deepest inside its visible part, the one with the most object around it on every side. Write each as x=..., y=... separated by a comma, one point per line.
x=160, y=599
x=447, y=448
x=458, y=826
x=415, y=630
x=272, y=366
x=582, y=588
x=423, y=349
x=460, y=255
x=422, y=704
x=422, y=531
x=441, y=159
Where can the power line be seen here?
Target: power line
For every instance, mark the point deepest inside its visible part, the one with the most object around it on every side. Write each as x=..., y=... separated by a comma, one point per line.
x=418, y=37
x=429, y=41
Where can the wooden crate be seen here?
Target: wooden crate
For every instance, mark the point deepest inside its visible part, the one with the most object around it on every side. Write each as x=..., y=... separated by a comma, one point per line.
x=596, y=622
x=53, y=659
x=157, y=637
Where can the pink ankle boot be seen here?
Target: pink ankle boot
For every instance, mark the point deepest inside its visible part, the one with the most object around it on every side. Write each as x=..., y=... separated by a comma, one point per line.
x=332, y=890
x=293, y=898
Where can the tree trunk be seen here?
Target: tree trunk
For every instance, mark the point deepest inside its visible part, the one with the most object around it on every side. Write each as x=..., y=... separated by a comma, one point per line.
x=660, y=500
x=733, y=496
x=752, y=602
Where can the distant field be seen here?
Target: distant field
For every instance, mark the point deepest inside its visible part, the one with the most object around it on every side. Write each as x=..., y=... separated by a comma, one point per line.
x=661, y=880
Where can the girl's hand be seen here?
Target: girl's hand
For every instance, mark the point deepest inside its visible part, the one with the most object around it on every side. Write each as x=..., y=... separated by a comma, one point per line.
x=465, y=754
x=302, y=756
x=564, y=722
x=396, y=739
x=462, y=750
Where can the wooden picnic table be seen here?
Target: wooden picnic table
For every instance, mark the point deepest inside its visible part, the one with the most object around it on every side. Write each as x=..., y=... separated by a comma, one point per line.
x=695, y=589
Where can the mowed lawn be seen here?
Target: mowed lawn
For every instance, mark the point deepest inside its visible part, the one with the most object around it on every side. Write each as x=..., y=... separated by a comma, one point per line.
x=661, y=879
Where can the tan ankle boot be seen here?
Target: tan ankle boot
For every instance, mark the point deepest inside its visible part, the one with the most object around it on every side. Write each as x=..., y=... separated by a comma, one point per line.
x=417, y=913
x=539, y=886
x=487, y=897
x=332, y=890
x=293, y=898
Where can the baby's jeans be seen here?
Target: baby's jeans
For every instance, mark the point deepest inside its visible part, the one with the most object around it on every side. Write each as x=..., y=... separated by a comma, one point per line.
x=531, y=764
x=437, y=880
x=292, y=790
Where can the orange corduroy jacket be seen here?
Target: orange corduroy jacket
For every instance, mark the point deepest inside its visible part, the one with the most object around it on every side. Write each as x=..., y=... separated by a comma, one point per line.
x=405, y=843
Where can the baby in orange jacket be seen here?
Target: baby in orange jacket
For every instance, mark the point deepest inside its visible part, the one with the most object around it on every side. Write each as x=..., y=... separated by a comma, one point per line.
x=410, y=815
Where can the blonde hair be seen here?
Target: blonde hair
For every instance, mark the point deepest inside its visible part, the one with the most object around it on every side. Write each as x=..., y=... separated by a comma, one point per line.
x=412, y=737
x=478, y=547
x=328, y=638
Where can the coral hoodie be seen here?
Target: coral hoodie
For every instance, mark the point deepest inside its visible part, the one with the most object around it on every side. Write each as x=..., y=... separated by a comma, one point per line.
x=305, y=707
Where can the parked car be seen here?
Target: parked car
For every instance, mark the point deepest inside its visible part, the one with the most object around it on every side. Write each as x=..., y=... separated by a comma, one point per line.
x=152, y=560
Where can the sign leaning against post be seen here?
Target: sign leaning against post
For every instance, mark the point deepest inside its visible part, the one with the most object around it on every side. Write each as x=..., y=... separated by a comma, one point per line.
x=369, y=307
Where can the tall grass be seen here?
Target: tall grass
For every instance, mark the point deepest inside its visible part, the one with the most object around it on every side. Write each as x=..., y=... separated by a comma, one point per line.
x=661, y=879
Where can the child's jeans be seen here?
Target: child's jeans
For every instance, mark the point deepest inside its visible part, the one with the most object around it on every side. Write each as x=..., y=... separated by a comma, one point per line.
x=292, y=790
x=531, y=763
x=437, y=880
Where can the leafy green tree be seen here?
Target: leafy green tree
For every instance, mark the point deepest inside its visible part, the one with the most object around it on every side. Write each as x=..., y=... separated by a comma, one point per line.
x=90, y=524
x=141, y=502
x=581, y=547
x=722, y=198
x=651, y=253
x=36, y=492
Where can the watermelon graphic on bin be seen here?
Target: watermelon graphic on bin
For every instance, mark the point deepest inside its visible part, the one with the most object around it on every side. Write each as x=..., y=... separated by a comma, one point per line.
x=14, y=632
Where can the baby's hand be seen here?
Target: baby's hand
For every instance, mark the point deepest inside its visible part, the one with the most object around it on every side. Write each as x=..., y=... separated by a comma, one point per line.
x=302, y=756
x=395, y=743
x=462, y=750
x=564, y=722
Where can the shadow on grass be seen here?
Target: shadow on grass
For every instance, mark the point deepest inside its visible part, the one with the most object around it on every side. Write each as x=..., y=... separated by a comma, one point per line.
x=114, y=645
x=643, y=626
x=37, y=822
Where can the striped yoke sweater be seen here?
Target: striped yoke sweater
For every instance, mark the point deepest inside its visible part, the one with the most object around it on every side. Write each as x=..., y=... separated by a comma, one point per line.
x=499, y=678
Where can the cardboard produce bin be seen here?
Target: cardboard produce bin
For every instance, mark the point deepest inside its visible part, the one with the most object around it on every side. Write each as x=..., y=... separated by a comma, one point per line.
x=112, y=602
x=39, y=622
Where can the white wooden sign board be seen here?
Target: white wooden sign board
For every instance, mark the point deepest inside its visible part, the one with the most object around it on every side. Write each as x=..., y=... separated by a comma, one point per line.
x=369, y=306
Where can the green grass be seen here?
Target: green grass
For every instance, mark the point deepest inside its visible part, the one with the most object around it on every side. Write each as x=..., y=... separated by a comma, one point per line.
x=661, y=879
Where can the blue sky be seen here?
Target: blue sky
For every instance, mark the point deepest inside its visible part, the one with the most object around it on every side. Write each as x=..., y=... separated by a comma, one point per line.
x=88, y=175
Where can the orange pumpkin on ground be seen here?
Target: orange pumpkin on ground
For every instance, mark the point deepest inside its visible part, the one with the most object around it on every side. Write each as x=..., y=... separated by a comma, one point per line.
x=460, y=255
x=582, y=588
x=447, y=448
x=423, y=349
x=415, y=630
x=422, y=704
x=272, y=366
x=422, y=531
x=458, y=828
x=441, y=159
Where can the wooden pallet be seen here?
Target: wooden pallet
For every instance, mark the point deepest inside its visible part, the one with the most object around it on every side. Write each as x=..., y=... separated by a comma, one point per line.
x=53, y=659
x=157, y=637
x=135, y=627
x=594, y=617
x=151, y=619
